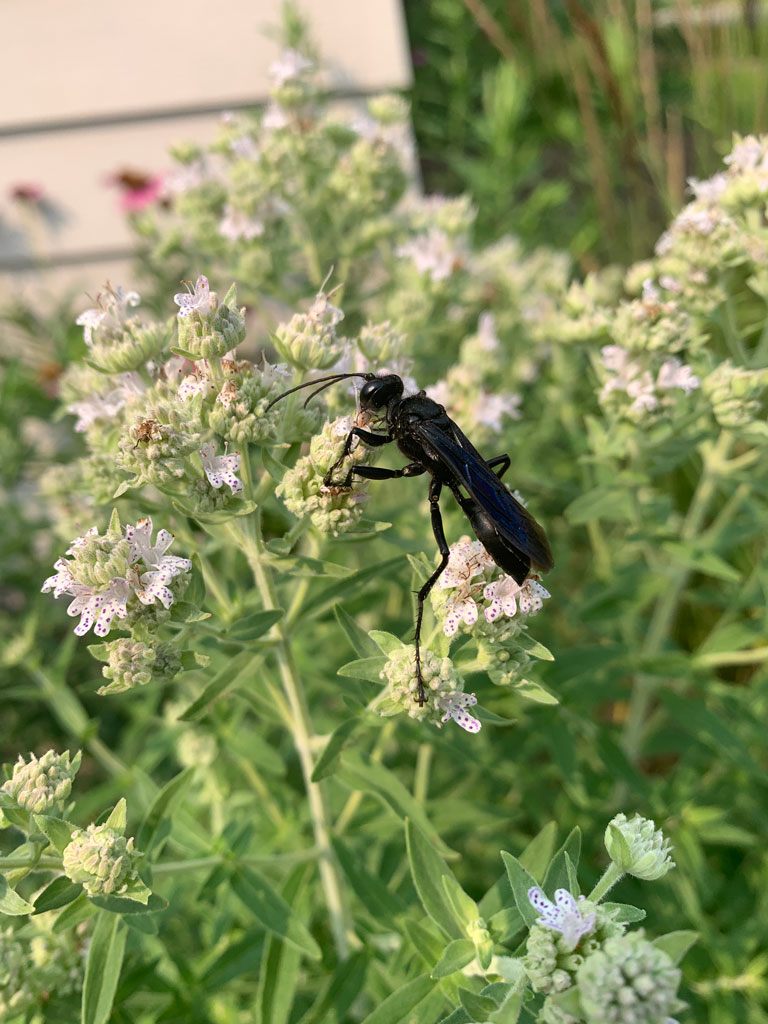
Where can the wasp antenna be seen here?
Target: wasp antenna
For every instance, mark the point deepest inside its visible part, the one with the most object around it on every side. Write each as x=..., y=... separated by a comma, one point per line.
x=325, y=381
x=327, y=278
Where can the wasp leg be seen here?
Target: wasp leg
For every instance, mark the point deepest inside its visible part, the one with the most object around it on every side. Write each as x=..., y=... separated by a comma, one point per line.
x=501, y=460
x=375, y=473
x=368, y=437
x=437, y=528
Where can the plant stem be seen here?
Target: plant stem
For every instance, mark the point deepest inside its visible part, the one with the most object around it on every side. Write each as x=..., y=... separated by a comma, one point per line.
x=613, y=874
x=666, y=607
x=249, y=537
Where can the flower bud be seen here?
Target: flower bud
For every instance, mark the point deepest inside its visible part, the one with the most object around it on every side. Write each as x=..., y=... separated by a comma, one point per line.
x=133, y=663
x=309, y=340
x=102, y=859
x=638, y=848
x=40, y=783
x=628, y=981
x=439, y=677
x=208, y=328
x=332, y=509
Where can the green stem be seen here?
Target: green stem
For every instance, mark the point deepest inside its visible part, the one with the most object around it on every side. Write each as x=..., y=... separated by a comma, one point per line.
x=666, y=607
x=613, y=874
x=248, y=536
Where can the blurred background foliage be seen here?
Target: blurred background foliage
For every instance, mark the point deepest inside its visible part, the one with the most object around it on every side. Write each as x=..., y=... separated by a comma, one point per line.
x=576, y=123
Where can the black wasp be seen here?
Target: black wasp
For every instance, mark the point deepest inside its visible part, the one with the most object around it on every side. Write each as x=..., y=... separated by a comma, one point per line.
x=427, y=436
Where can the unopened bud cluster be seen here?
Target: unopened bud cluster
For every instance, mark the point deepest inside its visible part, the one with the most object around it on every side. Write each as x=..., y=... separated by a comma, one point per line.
x=332, y=509
x=101, y=859
x=117, y=339
x=36, y=963
x=40, y=783
x=133, y=663
x=438, y=675
x=309, y=340
x=208, y=328
x=553, y=956
x=628, y=981
x=638, y=848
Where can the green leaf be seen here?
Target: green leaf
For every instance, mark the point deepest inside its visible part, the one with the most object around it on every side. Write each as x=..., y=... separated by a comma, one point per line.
x=536, y=856
x=676, y=944
x=328, y=760
x=386, y=642
x=463, y=906
x=160, y=807
x=364, y=668
x=304, y=567
x=491, y=718
x=280, y=961
x=625, y=912
x=251, y=627
x=379, y=901
x=73, y=915
x=11, y=903
x=358, y=638
x=57, y=893
x=569, y=1001
x=428, y=870
x=712, y=730
x=344, y=589
x=479, y=1007
x=534, y=648
x=521, y=881
x=151, y=903
x=457, y=954
x=535, y=691
x=102, y=971
x=57, y=831
x=399, y=1007
x=272, y=910
x=383, y=784
x=505, y=924
x=99, y=651
x=118, y=817
x=609, y=503
x=226, y=677
x=706, y=562
x=557, y=872
x=425, y=939
x=343, y=988
x=275, y=469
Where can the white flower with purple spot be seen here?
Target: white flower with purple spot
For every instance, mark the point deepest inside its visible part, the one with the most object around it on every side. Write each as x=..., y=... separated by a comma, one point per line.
x=506, y=596
x=454, y=706
x=153, y=555
x=194, y=301
x=467, y=559
x=98, y=609
x=148, y=571
x=221, y=469
x=111, y=313
x=564, y=915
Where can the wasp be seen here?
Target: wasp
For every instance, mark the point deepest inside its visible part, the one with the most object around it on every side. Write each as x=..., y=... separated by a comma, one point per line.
x=434, y=444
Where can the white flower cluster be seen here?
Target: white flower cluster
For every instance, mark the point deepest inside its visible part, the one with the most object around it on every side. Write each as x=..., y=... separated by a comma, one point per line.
x=475, y=578
x=104, y=573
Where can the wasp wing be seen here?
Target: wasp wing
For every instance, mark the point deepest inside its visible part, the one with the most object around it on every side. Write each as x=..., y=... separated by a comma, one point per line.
x=470, y=469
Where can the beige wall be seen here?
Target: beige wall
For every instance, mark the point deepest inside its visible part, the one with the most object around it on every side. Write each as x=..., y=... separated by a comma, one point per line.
x=92, y=87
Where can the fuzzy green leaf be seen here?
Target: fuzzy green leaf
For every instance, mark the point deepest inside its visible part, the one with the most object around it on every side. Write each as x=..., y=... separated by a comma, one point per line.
x=11, y=903
x=160, y=807
x=521, y=881
x=58, y=893
x=399, y=1007
x=272, y=911
x=327, y=762
x=676, y=944
x=365, y=668
x=429, y=870
x=102, y=971
x=358, y=638
x=57, y=831
x=457, y=954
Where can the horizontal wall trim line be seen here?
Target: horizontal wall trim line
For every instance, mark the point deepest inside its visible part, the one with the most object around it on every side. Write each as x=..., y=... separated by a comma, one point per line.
x=21, y=264
x=161, y=114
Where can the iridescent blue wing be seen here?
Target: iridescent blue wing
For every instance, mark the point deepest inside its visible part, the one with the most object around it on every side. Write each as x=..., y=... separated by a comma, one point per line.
x=467, y=465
